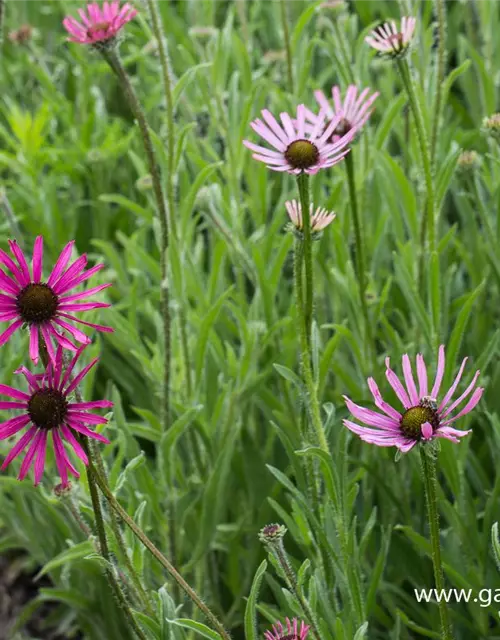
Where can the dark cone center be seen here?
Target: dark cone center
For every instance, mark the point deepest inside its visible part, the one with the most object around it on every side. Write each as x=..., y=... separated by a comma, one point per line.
x=37, y=303
x=396, y=40
x=302, y=154
x=415, y=417
x=95, y=28
x=343, y=127
x=47, y=408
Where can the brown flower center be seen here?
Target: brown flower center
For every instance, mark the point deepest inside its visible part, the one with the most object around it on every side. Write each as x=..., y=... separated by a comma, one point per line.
x=98, y=26
x=302, y=154
x=47, y=408
x=37, y=303
x=413, y=418
x=396, y=40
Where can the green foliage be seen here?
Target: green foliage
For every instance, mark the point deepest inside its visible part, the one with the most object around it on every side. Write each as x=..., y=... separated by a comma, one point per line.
x=233, y=459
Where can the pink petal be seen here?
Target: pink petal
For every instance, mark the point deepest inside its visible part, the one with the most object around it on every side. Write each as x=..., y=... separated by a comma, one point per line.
x=9, y=331
x=77, y=379
x=476, y=396
x=61, y=263
x=427, y=431
x=380, y=403
x=75, y=444
x=462, y=397
x=72, y=272
x=81, y=278
x=398, y=388
x=7, y=261
x=86, y=432
x=99, y=327
x=410, y=383
x=33, y=348
x=86, y=418
x=37, y=262
x=40, y=456
x=19, y=255
x=95, y=404
x=13, y=393
x=439, y=373
x=19, y=446
x=13, y=426
x=371, y=417
x=422, y=376
x=28, y=458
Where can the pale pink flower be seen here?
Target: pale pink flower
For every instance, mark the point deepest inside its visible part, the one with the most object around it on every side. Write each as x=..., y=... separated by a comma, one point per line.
x=298, y=148
x=47, y=409
x=389, y=40
x=292, y=631
x=353, y=111
x=424, y=417
x=46, y=306
x=320, y=219
x=99, y=25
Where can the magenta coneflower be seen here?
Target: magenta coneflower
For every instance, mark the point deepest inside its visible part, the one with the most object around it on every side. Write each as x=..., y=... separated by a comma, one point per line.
x=423, y=417
x=47, y=409
x=291, y=632
x=99, y=25
x=320, y=219
x=389, y=40
x=354, y=111
x=298, y=148
x=46, y=306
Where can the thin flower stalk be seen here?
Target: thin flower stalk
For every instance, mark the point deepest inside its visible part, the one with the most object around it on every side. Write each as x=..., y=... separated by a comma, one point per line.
x=104, y=550
x=428, y=461
x=116, y=65
x=305, y=302
x=288, y=46
x=142, y=537
x=272, y=538
x=441, y=70
x=360, y=250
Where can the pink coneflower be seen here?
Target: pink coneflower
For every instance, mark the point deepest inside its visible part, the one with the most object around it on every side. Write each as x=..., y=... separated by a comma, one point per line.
x=297, y=147
x=291, y=632
x=320, y=219
x=388, y=40
x=354, y=111
x=47, y=409
x=423, y=418
x=99, y=25
x=46, y=306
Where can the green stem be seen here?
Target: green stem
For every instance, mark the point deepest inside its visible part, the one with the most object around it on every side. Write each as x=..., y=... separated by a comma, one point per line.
x=104, y=549
x=424, y=147
x=430, y=483
x=116, y=65
x=441, y=60
x=288, y=47
x=313, y=478
x=279, y=552
x=314, y=409
x=303, y=184
x=140, y=535
x=360, y=249
x=138, y=588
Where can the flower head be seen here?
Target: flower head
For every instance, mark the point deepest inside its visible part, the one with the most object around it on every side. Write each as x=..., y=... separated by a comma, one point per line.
x=298, y=148
x=272, y=533
x=46, y=306
x=47, y=409
x=468, y=161
x=99, y=26
x=22, y=35
x=353, y=111
x=389, y=41
x=491, y=126
x=292, y=631
x=320, y=219
x=424, y=417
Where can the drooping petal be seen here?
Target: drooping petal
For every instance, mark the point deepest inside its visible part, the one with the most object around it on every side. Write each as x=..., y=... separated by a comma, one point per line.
x=19, y=447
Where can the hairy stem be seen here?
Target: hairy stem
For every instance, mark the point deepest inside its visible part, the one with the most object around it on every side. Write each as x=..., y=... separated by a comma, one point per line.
x=288, y=46
x=143, y=538
x=430, y=483
x=360, y=249
x=116, y=65
x=305, y=303
x=441, y=61
x=104, y=549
